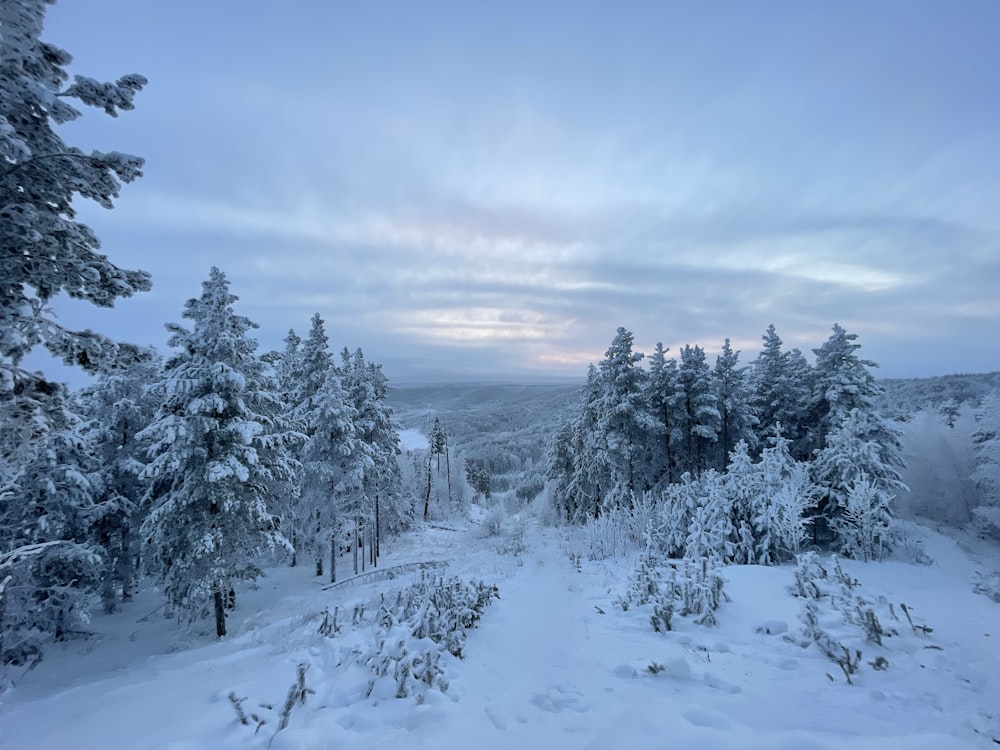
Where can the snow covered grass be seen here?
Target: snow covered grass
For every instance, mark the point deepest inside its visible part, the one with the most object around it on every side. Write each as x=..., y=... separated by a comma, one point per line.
x=552, y=663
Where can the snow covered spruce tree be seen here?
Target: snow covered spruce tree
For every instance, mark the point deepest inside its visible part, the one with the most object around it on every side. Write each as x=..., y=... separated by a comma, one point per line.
x=331, y=472
x=856, y=445
x=381, y=507
x=737, y=421
x=857, y=465
x=698, y=410
x=48, y=565
x=661, y=401
x=301, y=375
x=116, y=408
x=841, y=382
x=781, y=382
x=45, y=252
x=623, y=423
x=214, y=454
x=986, y=471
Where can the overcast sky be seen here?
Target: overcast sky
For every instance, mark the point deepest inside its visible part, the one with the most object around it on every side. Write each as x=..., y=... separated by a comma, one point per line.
x=488, y=190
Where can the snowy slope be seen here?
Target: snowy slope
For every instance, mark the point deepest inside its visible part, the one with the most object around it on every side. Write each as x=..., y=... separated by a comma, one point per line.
x=554, y=664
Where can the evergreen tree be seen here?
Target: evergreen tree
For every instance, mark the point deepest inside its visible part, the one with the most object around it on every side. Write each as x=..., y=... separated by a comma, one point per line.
x=214, y=454
x=561, y=469
x=116, y=407
x=623, y=422
x=734, y=397
x=781, y=393
x=986, y=466
x=331, y=474
x=43, y=250
x=584, y=493
x=698, y=412
x=661, y=403
x=382, y=507
x=857, y=452
x=842, y=382
x=46, y=511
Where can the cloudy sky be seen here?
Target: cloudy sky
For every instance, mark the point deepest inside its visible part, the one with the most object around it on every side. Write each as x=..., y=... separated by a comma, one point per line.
x=487, y=190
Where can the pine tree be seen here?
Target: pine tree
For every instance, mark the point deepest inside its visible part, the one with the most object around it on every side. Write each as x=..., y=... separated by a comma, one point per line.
x=842, y=382
x=583, y=494
x=734, y=397
x=46, y=512
x=116, y=407
x=382, y=498
x=661, y=403
x=301, y=375
x=781, y=393
x=699, y=419
x=986, y=466
x=330, y=473
x=214, y=454
x=43, y=250
x=623, y=422
x=856, y=452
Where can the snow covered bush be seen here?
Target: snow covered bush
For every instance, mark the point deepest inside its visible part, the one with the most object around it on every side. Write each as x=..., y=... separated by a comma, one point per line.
x=865, y=528
x=415, y=628
x=836, y=617
x=988, y=585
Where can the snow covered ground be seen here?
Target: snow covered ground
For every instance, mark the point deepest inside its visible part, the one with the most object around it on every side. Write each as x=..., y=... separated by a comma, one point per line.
x=553, y=664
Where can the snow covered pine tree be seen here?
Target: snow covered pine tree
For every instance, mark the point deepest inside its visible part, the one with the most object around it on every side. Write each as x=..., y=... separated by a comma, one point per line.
x=43, y=252
x=214, y=456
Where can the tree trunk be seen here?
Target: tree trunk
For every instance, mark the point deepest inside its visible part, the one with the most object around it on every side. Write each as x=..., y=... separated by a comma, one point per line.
x=378, y=532
x=333, y=557
x=220, y=611
x=447, y=468
x=295, y=550
x=427, y=495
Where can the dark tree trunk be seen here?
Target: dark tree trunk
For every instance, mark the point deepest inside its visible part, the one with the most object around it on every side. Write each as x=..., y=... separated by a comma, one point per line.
x=333, y=557
x=427, y=495
x=447, y=468
x=220, y=612
x=378, y=532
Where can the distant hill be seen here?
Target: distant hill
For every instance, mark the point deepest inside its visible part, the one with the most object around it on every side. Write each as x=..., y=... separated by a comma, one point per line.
x=907, y=395
x=509, y=428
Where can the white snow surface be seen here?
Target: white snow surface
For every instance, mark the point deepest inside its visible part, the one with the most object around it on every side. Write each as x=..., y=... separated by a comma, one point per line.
x=553, y=664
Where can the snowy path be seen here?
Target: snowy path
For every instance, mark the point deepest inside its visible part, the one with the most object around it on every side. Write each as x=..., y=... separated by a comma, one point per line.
x=532, y=667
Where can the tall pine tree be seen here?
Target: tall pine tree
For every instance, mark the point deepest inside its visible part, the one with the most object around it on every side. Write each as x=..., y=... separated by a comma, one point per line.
x=214, y=455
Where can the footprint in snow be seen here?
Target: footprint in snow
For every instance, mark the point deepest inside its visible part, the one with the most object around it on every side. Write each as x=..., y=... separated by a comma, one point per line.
x=556, y=699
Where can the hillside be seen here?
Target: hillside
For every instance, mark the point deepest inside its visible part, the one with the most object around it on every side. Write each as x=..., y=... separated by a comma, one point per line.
x=553, y=663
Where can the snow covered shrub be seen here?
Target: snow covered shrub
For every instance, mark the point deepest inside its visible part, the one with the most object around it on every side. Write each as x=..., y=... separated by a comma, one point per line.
x=988, y=585
x=414, y=629
x=44, y=594
x=831, y=600
x=512, y=542
x=494, y=522
x=691, y=587
x=608, y=535
x=986, y=521
x=400, y=673
x=866, y=525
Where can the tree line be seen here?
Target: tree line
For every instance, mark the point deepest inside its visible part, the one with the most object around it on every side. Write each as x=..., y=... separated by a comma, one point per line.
x=778, y=443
